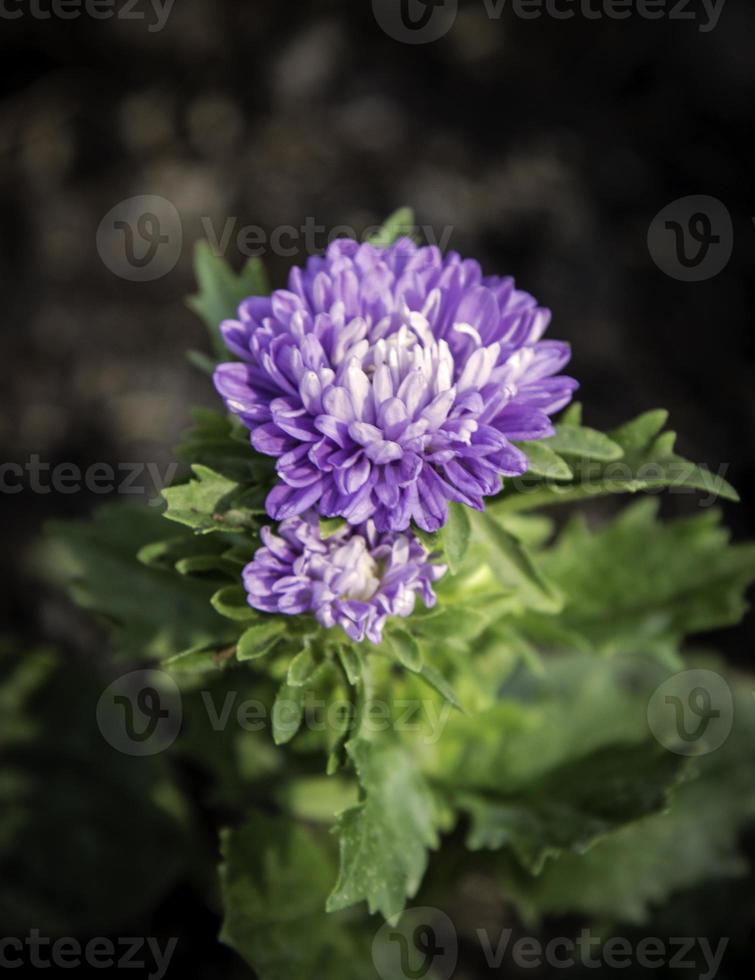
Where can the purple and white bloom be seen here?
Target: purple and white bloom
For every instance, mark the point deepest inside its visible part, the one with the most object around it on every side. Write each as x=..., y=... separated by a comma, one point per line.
x=389, y=381
x=353, y=579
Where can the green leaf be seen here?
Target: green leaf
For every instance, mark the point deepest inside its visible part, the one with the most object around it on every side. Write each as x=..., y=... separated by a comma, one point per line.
x=213, y=503
x=198, y=659
x=636, y=436
x=636, y=457
x=405, y=648
x=577, y=440
x=152, y=611
x=438, y=683
x=430, y=540
x=275, y=877
x=385, y=838
x=558, y=760
x=303, y=668
x=571, y=807
x=537, y=725
x=330, y=526
x=221, y=290
x=533, y=530
x=572, y=415
x=201, y=564
x=288, y=713
x=168, y=552
x=641, y=583
x=399, y=225
x=351, y=660
x=259, y=639
x=459, y=620
x=514, y=567
x=20, y=677
x=631, y=871
x=221, y=443
x=203, y=362
x=231, y=602
x=318, y=799
x=340, y=729
x=455, y=536
x=543, y=461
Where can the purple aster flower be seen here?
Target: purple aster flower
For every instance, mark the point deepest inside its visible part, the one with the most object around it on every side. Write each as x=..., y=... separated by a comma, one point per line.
x=353, y=579
x=389, y=381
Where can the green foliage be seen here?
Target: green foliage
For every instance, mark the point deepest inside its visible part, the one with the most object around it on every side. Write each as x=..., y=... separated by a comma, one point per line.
x=154, y=612
x=515, y=569
x=558, y=761
x=275, y=878
x=214, y=503
x=405, y=648
x=643, y=864
x=288, y=713
x=544, y=461
x=569, y=809
x=73, y=858
x=329, y=526
x=221, y=291
x=384, y=839
x=532, y=677
x=398, y=225
x=259, y=639
x=576, y=440
x=221, y=443
x=637, y=456
x=640, y=584
x=455, y=536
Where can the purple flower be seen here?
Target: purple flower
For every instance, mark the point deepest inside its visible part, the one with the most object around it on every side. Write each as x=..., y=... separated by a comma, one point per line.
x=389, y=381
x=354, y=579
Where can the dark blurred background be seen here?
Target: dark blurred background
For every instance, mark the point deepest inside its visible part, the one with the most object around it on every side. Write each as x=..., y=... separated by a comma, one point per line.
x=543, y=147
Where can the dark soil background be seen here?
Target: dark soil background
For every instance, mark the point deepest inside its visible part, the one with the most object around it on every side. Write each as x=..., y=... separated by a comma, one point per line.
x=545, y=147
